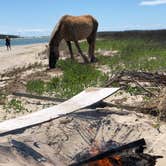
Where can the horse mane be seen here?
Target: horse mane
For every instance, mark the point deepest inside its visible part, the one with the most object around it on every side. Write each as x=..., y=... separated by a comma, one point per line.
x=56, y=28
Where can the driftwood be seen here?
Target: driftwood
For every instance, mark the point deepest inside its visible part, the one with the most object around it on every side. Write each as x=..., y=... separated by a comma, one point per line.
x=125, y=106
x=128, y=76
x=7, y=79
x=27, y=151
x=146, y=90
x=19, y=94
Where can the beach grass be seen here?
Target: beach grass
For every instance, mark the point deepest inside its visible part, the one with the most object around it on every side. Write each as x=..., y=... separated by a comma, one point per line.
x=134, y=54
x=75, y=78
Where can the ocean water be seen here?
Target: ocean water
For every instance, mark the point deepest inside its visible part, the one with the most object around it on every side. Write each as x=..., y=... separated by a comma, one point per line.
x=25, y=41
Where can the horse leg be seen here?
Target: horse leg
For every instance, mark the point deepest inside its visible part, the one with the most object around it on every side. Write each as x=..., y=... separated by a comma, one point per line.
x=81, y=53
x=70, y=49
x=52, y=61
x=91, y=42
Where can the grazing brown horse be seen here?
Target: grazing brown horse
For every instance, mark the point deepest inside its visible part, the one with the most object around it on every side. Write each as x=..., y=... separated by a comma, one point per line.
x=73, y=28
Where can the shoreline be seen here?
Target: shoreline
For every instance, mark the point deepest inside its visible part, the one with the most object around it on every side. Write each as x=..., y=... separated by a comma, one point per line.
x=25, y=41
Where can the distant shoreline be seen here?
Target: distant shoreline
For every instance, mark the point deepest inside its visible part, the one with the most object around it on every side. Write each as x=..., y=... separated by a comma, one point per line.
x=11, y=36
x=25, y=41
x=2, y=36
x=143, y=34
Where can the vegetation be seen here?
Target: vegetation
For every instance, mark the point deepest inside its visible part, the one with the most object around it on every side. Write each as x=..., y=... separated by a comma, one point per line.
x=134, y=54
x=135, y=51
x=36, y=86
x=76, y=77
x=15, y=106
x=2, y=98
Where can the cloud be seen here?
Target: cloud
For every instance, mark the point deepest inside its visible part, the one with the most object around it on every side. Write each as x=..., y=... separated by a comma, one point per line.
x=152, y=2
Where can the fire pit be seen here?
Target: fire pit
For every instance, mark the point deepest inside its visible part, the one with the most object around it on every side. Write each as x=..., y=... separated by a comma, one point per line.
x=130, y=154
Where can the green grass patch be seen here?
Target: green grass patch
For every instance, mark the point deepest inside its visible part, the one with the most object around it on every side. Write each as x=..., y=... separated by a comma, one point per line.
x=15, y=106
x=36, y=86
x=134, y=90
x=134, y=54
x=76, y=77
x=2, y=98
x=143, y=54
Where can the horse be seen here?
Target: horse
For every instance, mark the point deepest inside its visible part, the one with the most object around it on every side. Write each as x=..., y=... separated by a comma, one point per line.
x=73, y=28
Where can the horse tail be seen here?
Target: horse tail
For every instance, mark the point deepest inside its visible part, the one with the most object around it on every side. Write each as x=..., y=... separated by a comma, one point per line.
x=95, y=26
x=94, y=30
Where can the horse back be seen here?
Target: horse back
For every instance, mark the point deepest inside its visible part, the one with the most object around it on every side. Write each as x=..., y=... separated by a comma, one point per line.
x=77, y=27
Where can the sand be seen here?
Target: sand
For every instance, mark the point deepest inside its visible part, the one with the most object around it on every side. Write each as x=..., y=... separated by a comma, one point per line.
x=56, y=138
x=20, y=56
x=68, y=136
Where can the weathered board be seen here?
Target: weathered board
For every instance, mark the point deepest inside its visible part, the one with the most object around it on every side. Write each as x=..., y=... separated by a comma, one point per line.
x=84, y=99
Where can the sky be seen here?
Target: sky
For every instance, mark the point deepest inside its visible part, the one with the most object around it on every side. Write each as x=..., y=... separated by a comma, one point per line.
x=38, y=17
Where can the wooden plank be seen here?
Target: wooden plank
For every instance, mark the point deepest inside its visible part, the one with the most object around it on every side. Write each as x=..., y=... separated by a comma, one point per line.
x=84, y=99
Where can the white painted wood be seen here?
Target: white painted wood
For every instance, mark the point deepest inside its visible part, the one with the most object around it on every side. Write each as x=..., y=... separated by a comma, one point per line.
x=85, y=98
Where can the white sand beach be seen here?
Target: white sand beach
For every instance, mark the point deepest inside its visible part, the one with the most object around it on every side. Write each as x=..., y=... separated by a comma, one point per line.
x=20, y=56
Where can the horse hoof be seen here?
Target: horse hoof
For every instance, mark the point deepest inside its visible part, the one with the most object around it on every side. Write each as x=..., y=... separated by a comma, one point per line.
x=93, y=60
x=86, y=61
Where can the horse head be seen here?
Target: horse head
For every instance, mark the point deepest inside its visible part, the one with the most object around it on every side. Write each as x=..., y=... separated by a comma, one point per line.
x=53, y=56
